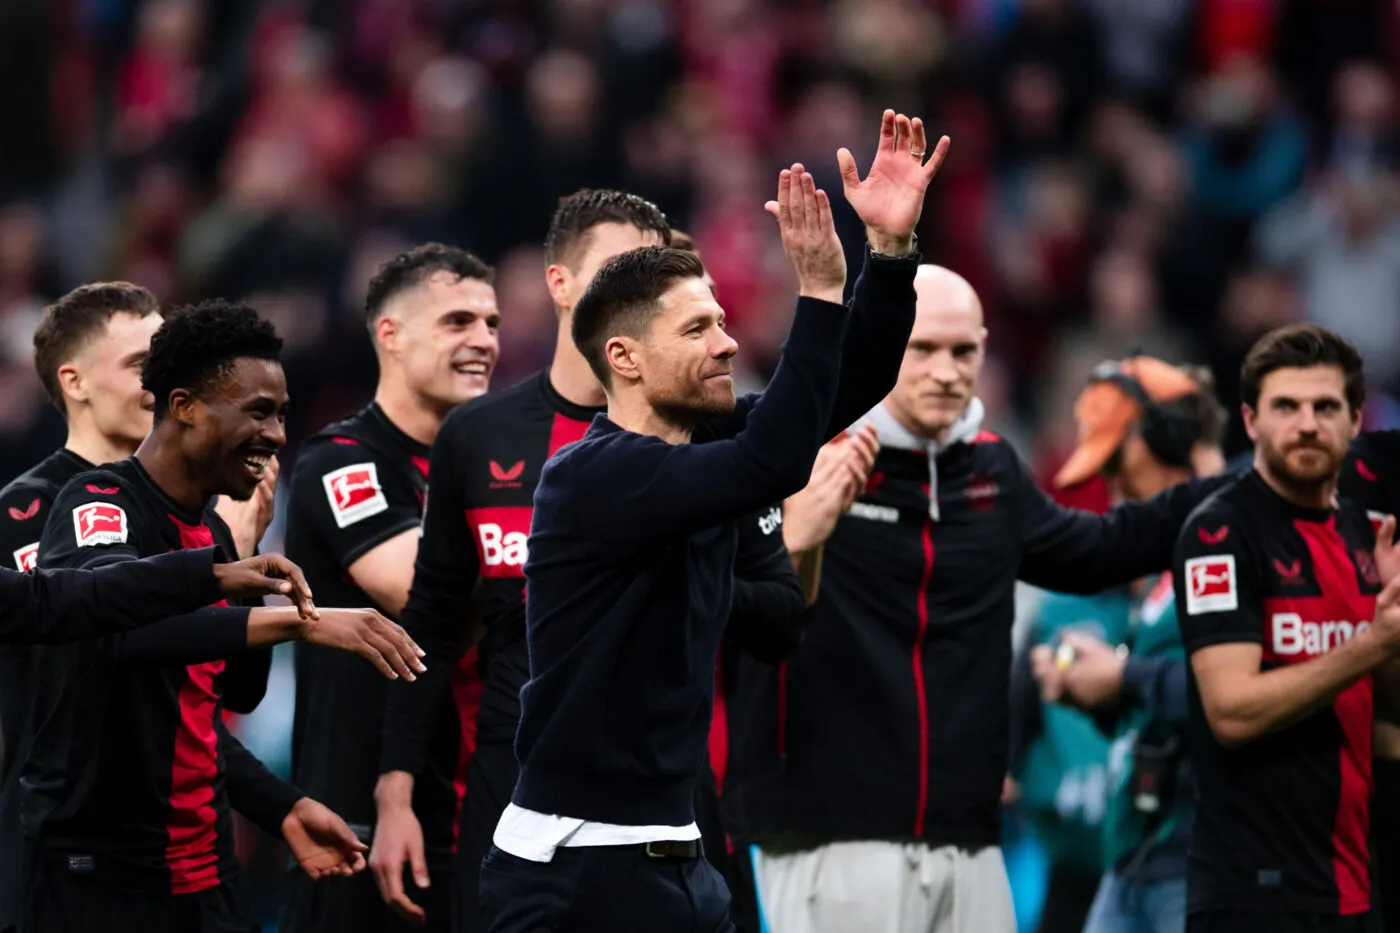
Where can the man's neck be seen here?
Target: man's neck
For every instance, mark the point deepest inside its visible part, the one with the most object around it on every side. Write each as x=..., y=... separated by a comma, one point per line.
x=409, y=412
x=159, y=454
x=95, y=447
x=1322, y=495
x=640, y=418
x=570, y=373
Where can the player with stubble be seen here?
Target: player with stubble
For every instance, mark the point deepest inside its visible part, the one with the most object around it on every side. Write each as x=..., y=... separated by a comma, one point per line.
x=132, y=776
x=1293, y=648
x=353, y=518
x=632, y=545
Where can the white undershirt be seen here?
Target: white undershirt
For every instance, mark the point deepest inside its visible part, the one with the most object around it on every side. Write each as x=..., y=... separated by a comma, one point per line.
x=534, y=836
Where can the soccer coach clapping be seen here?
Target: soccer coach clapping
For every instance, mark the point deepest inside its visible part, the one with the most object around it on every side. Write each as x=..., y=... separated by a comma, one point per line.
x=632, y=548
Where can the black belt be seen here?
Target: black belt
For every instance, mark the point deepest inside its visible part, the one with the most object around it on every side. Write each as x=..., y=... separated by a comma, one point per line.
x=690, y=849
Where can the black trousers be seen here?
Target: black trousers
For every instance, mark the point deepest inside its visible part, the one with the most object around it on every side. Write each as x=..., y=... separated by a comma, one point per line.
x=603, y=889
x=490, y=783
x=354, y=905
x=1385, y=837
x=1256, y=921
x=59, y=901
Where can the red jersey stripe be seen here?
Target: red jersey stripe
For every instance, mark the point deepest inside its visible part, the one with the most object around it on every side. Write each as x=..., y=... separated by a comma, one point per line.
x=466, y=696
x=565, y=430
x=1355, y=711
x=192, y=853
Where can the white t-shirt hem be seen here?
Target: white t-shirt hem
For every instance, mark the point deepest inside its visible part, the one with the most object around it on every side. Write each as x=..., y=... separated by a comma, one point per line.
x=534, y=836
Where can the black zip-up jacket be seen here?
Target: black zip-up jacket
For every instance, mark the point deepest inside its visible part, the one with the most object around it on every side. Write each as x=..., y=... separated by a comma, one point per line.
x=890, y=721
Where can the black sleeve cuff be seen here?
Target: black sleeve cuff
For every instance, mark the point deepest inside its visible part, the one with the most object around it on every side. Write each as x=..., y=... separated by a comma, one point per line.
x=817, y=327
x=197, y=566
x=1137, y=680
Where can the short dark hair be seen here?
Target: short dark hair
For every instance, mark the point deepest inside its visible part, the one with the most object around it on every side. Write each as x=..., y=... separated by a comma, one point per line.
x=77, y=317
x=413, y=267
x=1202, y=409
x=1302, y=345
x=622, y=298
x=577, y=214
x=198, y=345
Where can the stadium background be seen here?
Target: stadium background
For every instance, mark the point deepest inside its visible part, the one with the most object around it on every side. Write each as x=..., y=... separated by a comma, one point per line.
x=1175, y=176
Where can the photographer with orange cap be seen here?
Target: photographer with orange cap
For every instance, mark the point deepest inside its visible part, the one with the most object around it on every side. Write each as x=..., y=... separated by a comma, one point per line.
x=1145, y=426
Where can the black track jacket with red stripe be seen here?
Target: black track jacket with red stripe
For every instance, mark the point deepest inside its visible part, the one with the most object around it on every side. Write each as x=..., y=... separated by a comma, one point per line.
x=132, y=774
x=891, y=719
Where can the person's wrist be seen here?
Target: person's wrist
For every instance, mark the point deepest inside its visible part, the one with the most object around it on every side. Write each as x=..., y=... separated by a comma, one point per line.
x=891, y=247
x=823, y=292
x=393, y=791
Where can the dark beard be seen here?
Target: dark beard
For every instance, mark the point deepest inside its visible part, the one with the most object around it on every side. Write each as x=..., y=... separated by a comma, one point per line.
x=1303, y=486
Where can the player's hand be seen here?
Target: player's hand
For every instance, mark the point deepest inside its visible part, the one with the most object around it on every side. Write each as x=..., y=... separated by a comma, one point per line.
x=322, y=844
x=369, y=634
x=891, y=198
x=1096, y=676
x=267, y=575
x=398, y=840
x=1387, y=551
x=1386, y=624
x=248, y=521
x=809, y=235
x=838, y=477
x=1047, y=674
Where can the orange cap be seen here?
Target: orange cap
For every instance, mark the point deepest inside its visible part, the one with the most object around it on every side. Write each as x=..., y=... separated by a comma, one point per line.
x=1106, y=412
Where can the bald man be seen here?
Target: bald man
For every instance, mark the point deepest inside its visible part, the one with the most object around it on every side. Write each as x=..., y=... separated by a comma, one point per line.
x=868, y=767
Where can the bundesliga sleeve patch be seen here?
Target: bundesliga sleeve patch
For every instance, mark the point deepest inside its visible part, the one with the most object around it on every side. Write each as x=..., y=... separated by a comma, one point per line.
x=1210, y=584
x=27, y=557
x=354, y=493
x=99, y=523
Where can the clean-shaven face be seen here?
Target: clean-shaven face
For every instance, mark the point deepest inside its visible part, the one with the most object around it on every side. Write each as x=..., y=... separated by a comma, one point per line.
x=943, y=359
x=447, y=337
x=109, y=367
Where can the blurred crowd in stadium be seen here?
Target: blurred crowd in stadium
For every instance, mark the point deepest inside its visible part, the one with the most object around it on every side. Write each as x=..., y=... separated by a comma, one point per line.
x=1174, y=175
x=1171, y=176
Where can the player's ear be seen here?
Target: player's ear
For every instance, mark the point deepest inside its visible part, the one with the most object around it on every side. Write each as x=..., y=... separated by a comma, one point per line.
x=621, y=354
x=71, y=382
x=386, y=333
x=181, y=407
x=559, y=279
x=1356, y=418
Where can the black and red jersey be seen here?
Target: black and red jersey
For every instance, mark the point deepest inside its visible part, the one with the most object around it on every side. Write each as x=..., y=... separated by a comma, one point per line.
x=891, y=718
x=24, y=507
x=132, y=770
x=488, y=456
x=1282, y=821
x=1371, y=473
x=357, y=484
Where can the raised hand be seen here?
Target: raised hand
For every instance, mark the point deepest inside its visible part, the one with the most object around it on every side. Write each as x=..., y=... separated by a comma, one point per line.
x=266, y=575
x=1387, y=551
x=248, y=521
x=809, y=235
x=370, y=635
x=323, y=845
x=839, y=475
x=891, y=198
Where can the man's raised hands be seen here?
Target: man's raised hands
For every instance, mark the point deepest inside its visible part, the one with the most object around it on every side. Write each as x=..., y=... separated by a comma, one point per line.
x=891, y=198
x=809, y=235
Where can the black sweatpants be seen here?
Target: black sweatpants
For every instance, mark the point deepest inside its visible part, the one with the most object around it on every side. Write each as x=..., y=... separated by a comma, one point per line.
x=490, y=783
x=602, y=889
x=1258, y=921
x=354, y=905
x=59, y=901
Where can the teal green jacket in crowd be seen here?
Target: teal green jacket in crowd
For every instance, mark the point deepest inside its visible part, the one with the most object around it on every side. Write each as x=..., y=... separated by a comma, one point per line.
x=1060, y=757
x=1152, y=706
